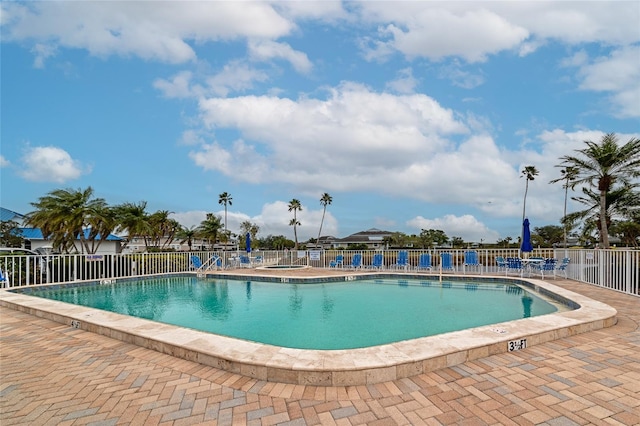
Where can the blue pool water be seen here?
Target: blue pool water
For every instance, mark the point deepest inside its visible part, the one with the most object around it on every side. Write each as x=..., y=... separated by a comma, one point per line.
x=312, y=316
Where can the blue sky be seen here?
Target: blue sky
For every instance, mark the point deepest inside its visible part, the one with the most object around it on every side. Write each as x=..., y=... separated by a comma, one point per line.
x=411, y=115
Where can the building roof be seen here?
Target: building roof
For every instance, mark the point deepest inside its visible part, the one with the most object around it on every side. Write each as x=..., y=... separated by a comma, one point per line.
x=7, y=215
x=36, y=234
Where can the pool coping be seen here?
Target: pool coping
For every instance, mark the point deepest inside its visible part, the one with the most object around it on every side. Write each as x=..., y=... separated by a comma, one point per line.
x=329, y=367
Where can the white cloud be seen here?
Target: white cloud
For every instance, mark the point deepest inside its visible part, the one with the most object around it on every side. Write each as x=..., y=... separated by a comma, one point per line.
x=236, y=76
x=4, y=162
x=473, y=31
x=265, y=50
x=467, y=227
x=354, y=139
x=149, y=30
x=619, y=74
x=438, y=30
x=50, y=164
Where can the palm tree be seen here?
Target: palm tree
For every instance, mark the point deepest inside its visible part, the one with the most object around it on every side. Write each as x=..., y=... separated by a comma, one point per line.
x=133, y=219
x=604, y=164
x=325, y=200
x=64, y=214
x=529, y=172
x=294, y=205
x=187, y=235
x=569, y=175
x=225, y=198
x=210, y=227
x=622, y=202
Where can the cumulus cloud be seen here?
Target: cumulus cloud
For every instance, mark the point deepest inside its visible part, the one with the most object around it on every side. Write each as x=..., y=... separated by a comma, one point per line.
x=50, y=164
x=473, y=31
x=467, y=227
x=150, y=30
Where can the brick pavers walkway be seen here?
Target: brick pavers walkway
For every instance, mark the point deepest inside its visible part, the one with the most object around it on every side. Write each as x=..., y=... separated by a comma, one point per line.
x=52, y=374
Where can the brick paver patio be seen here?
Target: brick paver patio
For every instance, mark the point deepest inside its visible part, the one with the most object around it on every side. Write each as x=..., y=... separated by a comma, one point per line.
x=52, y=374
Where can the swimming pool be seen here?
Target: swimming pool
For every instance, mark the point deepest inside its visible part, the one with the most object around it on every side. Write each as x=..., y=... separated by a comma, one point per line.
x=327, y=316
x=321, y=367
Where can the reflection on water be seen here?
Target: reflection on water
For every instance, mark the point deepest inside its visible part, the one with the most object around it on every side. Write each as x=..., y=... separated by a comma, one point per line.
x=527, y=301
x=215, y=301
x=295, y=300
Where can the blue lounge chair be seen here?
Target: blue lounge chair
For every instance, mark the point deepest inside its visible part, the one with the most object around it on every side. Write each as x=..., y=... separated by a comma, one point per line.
x=4, y=281
x=562, y=267
x=424, y=262
x=514, y=264
x=356, y=261
x=338, y=262
x=245, y=262
x=548, y=266
x=377, y=262
x=501, y=263
x=402, y=262
x=195, y=262
x=471, y=260
x=446, y=262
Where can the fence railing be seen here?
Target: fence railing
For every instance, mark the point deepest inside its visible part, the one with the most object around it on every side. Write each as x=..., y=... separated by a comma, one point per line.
x=617, y=269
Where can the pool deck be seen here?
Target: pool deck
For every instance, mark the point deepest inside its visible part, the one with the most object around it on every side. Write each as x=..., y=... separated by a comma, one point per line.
x=54, y=374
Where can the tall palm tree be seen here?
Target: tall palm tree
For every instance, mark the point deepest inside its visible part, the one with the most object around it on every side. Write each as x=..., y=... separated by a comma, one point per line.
x=295, y=206
x=325, y=200
x=602, y=165
x=225, y=198
x=568, y=174
x=64, y=214
x=529, y=173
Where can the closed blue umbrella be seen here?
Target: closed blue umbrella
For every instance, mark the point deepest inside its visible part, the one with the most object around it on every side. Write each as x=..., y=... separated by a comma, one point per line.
x=526, y=246
x=248, y=243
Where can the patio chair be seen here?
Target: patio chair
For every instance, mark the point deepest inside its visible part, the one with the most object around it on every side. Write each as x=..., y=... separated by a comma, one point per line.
x=471, y=260
x=245, y=261
x=514, y=264
x=377, y=262
x=562, y=266
x=338, y=262
x=424, y=262
x=195, y=262
x=548, y=266
x=501, y=263
x=402, y=261
x=356, y=261
x=446, y=262
x=4, y=281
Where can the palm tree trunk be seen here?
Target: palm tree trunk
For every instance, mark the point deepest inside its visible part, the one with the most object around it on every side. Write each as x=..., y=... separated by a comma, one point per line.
x=321, y=222
x=564, y=227
x=604, y=231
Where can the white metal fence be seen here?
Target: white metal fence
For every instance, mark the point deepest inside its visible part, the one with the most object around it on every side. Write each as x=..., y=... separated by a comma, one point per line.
x=617, y=269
